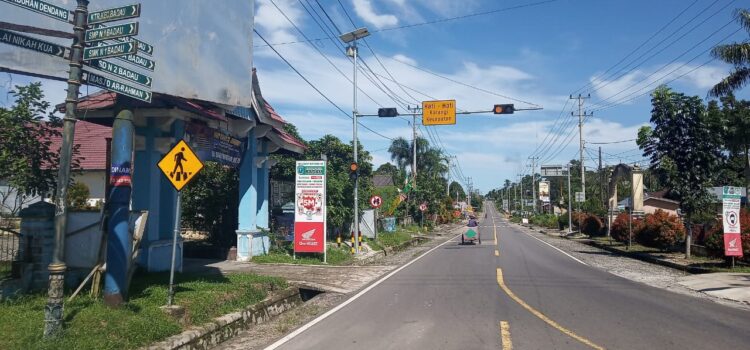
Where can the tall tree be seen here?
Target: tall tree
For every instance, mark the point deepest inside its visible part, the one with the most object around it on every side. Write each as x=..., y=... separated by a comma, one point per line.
x=683, y=149
x=28, y=162
x=736, y=54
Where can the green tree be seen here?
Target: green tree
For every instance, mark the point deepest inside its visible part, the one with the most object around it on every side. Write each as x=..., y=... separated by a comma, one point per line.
x=210, y=203
x=340, y=188
x=456, y=188
x=28, y=163
x=78, y=195
x=736, y=54
x=683, y=149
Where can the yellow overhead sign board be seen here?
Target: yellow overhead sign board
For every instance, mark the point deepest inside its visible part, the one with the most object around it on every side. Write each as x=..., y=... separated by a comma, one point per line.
x=439, y=112
x=180, y=165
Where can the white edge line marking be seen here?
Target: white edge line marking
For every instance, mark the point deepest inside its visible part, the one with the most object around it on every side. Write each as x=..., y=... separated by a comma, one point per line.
x=305, y=327
x=555, y=248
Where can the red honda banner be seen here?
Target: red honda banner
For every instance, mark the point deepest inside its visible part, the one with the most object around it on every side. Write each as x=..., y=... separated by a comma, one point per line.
x=309, y=237
x=732, y=244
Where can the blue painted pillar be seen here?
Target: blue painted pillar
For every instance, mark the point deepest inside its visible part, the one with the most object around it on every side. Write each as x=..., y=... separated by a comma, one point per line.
x=261, y=242
x=248, y=208
x=263, y=184
x=119, y=242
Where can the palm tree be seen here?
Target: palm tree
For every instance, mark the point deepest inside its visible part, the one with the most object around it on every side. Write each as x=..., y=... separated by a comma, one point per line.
x=737, y=54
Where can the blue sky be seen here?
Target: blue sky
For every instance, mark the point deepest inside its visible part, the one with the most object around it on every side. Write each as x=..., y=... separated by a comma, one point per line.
x=539, y=54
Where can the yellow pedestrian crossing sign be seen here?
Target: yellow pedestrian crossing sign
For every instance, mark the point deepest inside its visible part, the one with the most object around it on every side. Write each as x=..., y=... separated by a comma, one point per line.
x=180, y=165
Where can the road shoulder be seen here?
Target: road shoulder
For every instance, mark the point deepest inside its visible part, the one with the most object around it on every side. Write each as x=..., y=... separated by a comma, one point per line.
x=635, y=270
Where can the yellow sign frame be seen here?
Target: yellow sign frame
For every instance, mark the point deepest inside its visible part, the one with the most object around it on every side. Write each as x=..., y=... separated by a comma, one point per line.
x=189, y=163
x=440, y=112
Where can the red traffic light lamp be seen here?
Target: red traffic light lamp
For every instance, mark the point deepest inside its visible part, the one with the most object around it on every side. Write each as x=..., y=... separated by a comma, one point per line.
x=503, y=109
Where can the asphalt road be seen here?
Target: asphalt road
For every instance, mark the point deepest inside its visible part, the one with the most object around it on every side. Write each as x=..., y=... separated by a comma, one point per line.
x=527, y=295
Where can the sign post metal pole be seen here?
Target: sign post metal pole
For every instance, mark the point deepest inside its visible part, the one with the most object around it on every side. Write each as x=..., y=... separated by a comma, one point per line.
x=178, y=213
x=53, y=311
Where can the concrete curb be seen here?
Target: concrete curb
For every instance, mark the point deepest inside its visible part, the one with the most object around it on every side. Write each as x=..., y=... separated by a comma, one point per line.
x=225, y=327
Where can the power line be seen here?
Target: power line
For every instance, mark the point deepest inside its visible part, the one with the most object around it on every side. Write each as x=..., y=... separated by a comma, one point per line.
x=611, y=142
x=602, y=102
x=315, y=88
x=662, y=48
x=638, y=48
x=462, y=83
x=441, y=20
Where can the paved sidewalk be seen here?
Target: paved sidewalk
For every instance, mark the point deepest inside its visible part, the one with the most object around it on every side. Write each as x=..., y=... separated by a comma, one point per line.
x=725, y=285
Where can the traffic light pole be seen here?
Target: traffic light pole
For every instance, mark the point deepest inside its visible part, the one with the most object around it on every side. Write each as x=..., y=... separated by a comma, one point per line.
x=355, y=145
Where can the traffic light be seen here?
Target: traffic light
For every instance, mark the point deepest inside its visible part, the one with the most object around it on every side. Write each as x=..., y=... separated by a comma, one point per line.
x=353, y=171
x=503, y=109
x=387, y=112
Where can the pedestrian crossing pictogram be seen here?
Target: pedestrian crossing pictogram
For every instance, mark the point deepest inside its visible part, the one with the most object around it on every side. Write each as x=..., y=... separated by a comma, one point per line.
x=180, y=165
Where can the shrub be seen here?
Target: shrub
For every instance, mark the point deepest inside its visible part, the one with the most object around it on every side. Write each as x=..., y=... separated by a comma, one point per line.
x=661, y=230
x=591, y=225
x=714, y=241
x=620, y=230
x=78, y=196
x=544, y=220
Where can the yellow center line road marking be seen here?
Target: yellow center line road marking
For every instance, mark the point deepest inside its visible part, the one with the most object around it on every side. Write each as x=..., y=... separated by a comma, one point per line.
x=540, y=315
x=494, y=228
x=505, y=335
x=497, y=253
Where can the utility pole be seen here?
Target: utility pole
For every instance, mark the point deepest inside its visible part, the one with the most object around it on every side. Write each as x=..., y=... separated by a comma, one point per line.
x=533, y=181
x=570, y=205
x=414, y=149
x=601, y=178
x=581, y=115
x=520, y=180
x=351, y=51
x=53, y=311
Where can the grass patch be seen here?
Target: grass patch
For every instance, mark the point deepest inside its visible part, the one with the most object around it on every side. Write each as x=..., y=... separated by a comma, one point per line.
x=336, y=256
x=91, y=325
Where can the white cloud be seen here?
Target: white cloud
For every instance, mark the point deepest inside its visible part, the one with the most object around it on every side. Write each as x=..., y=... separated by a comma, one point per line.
x=641, y=81
x=365, y=10
x=270, y=19
x=404, y=58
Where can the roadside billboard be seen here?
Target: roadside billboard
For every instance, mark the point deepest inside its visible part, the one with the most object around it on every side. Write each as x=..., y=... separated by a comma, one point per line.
x=544, y=191
x=194, y=48
x=310, y=207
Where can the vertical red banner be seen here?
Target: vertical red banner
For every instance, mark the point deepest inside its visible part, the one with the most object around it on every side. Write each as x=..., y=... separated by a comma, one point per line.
x=732, y=244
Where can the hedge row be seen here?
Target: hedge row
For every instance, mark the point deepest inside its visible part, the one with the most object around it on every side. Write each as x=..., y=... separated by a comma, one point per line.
x=658, y=230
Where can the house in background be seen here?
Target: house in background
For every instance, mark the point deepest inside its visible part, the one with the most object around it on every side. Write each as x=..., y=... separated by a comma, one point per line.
x=91, y=140
x=652, y=202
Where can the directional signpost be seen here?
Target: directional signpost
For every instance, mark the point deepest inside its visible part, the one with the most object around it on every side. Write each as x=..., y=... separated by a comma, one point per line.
x=113, y=32
x=116, y=50
x=44, y=8
x=139, y=61
x=115, y=14
x=121, y=72
x=118, y=87
x=30, y=43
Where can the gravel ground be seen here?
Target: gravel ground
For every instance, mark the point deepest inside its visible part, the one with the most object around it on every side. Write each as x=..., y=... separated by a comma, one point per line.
x=636, y=270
